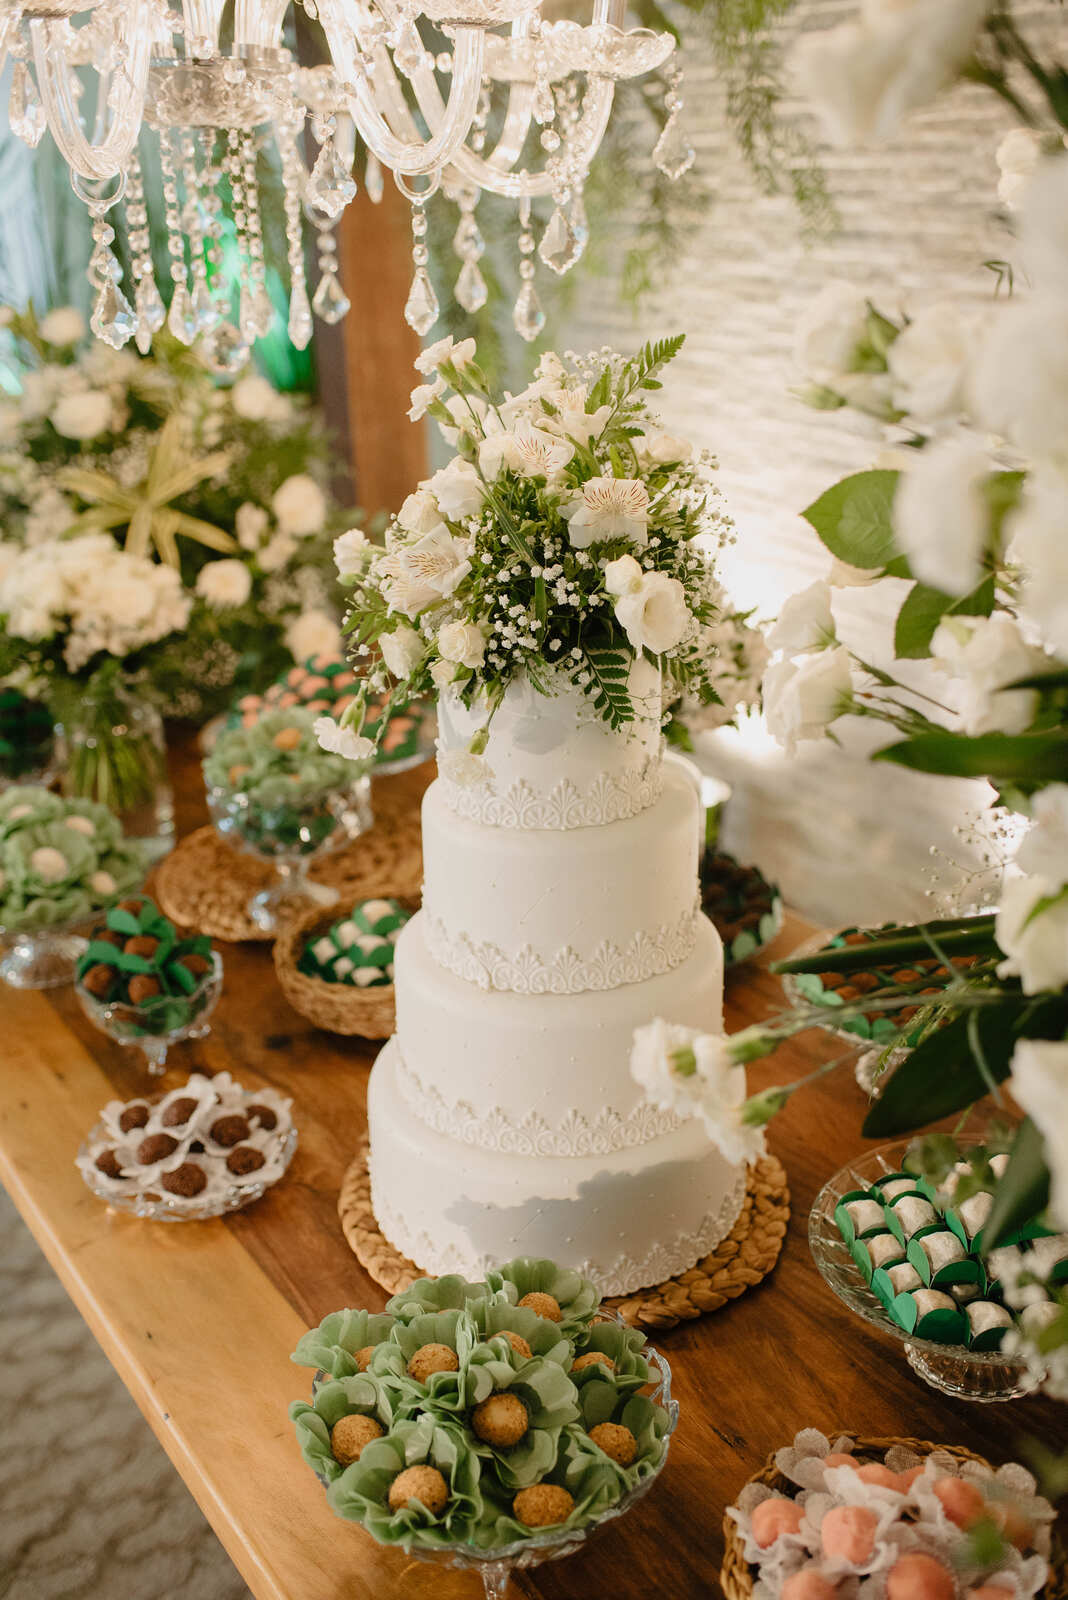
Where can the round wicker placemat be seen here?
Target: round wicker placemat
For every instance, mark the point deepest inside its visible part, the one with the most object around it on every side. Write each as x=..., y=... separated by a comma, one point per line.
x=740, y=1261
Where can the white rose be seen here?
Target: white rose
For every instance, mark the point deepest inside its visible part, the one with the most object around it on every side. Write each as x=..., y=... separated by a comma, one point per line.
x=436, y=355
x=250, y=524
x=986, y=653
x=423, y=397
x=443, y=673
x=338, y=740
x=1043, y=225
x=802, y=699
x=1039, y=1084
x=402, y=651
x=83, y=414
x=929, y=359
x=457, y=489
x=224, y=583
x=419, y=513
x=65, y=325
x=1017, y=157
x=102, y=883
x=655, y=615
x=1036, y=541
x=1034, y=942
x=350, y=552
x=829, y=331
x=661, y=448
x=256, y=400
x=942, y=516
x=806, y=622
x=277, y=551
x=1044, y=850
x=299, y=505
x=1019, y=381
x=313, y=633
x=623, y=576
x=462, y=642
x=49, y=864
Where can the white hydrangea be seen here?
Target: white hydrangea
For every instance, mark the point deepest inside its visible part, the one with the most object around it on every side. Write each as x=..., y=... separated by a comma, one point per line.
x=63, y=326
x=224, y=583
x=299, y=505
x=313, y=633
x=83, y=414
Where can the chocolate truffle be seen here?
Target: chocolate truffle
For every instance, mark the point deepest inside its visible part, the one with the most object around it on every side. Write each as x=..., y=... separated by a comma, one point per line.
x=431, y=1358
x=245, y=1159
x=543, y=1305
x=349, y=1435
x=99, y=981
x=196, y=964
x=109, y=936
x=500, y=1420
x=542, y=1505
x=186, y=1180
x=143, y=987
x=616, y=1441
x=424, y=1484
x=179, y=1111
x=157, y=1147
x=517, y=1342
x=132, y=1117
x=141, y=944
x=593, y=1358
x=107, y=1162
x=230, y=1130
x=264, y=1116
x=132, y=906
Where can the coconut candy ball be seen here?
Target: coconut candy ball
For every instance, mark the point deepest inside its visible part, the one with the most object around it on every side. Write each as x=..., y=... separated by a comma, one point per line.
x=349, y=1435
x=916, y=1576
x=517, y=1342
x=431, y=1358
x=593, y=1358
x=362, y=1357
x=616, y=1441
x=772, y=1518
x=500, y=1420
x=542, y=1505
x=424, y=1484
x=808, y=1584
x=543, y=1305
x=848, y=1532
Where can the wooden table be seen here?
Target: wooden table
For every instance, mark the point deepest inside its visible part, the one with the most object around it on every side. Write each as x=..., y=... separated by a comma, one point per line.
x=199, y=1320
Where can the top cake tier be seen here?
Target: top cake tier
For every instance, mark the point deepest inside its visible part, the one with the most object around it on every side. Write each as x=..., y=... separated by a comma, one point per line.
x=550, y=760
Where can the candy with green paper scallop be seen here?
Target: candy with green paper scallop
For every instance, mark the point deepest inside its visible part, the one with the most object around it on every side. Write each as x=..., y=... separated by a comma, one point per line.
x=576, y=1297
x=344, y=1397
x=359, y=949
x=60, y=860
x=362, y=1492
x=335, y=1346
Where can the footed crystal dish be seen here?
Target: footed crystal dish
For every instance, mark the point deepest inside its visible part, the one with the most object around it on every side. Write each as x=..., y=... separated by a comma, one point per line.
x=158, y=1023
x=42, y=958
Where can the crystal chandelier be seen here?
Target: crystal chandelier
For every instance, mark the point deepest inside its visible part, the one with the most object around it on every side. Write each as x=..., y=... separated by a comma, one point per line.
x=513, y=104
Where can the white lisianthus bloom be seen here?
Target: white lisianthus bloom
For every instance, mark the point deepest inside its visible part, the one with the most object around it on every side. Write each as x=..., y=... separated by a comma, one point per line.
x=402, y=650
x=299, y=505
x=656, y=1050
x=609, y=508
x=419, y=513
x=806, y=622
x=457, y=489
x=1017, y=157
x=256, y=400
x=829, y=332
x=655, y=615
x=65, y=325
x=83, y=414
x=423, y=397
x=929, y=361
x=986, y=653
x=465, y=770
x=695, y=1075
x=224, y=583
x=623, y=576
x=1019, y=380
x=49, y=864
x=1044, y=850
x=1036, y=541
x=942, y=517
x=468, y=413
x=802, y=699
x=844, y=576
x=1032, y=935
x=313, y=633
x=436, y=355
x=350, y=552
x=1043, y=226
x=1039, y=1083
x=658, y=449
x=463, y=643
x=338, y=740
x=277, y=552
x=250, y=525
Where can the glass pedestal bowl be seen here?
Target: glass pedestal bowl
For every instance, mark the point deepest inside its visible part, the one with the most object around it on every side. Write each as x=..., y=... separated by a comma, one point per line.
x=288, y=835
x=42, y=958
x=953, y=1369
x=158, y=1023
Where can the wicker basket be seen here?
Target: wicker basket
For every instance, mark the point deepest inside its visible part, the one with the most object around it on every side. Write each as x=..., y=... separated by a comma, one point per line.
x=337, y=1007
x=736, y=1576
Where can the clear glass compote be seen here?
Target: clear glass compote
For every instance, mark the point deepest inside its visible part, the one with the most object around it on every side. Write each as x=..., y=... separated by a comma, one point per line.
x=158, y=1023
x=288, y=834
x=42, y=958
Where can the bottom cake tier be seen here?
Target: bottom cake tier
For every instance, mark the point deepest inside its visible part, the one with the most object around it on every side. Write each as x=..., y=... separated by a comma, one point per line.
x=628, y=1219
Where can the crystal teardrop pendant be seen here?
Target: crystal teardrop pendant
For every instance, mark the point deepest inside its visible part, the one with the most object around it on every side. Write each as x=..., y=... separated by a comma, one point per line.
x=113, y=317
x=330, y=185
x=580, y=226
x=673, y=154
x=467, y=241
x=300, y=317
x=421, y=308
x=373, y=181
x=151, y=312
x=224, y=349
x=26, y=114
x=471, y=292
x=408, y=50
x=182, y=318
x=262, y=313
x=207, y=312
x=528, y=318
x=330, y=302
x=559, y=247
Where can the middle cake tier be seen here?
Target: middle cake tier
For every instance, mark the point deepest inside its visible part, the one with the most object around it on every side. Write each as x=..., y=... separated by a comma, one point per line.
x=549, y=912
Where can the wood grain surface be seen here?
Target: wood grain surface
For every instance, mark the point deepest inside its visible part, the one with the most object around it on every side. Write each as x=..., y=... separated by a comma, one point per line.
x=199, y=1318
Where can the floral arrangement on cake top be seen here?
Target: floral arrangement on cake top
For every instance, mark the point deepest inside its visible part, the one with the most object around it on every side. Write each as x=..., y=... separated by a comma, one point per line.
x=60, y=860
x=480, y=1414
x=568, y=535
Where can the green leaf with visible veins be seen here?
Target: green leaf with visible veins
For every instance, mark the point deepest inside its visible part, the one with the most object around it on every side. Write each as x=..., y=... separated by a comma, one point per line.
x=1023, y=1192
x=924, y=608
x=853, y=519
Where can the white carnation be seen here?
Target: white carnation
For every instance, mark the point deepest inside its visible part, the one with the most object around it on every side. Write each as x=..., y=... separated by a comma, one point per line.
x=805, y=622
x=695, y=1075
x=313, y=633
x=1034, y=940
x=350, y=552
x=83, y=414
x=435, y=355
x=942, y=516
x=463, y=643
x=402, y=650
x=655, y=615
x=224, y=583
x=423, y=397
x=250, y=525
x=929, y=362
x=299, y=505
x=802, y=699
x=63, y=326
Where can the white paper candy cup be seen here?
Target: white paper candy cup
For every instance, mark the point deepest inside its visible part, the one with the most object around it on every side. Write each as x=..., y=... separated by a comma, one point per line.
x=1034, y=1318
x=882, y=1249
x=974, y=1211
x=894, y=1187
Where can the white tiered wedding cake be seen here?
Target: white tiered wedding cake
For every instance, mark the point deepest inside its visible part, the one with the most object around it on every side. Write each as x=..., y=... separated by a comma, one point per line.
x=560, y=913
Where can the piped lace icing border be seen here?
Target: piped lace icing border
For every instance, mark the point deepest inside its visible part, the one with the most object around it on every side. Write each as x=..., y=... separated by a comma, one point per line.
x=624, y=1275
x=646, y=955
x=492, y=1129
x=609, y=798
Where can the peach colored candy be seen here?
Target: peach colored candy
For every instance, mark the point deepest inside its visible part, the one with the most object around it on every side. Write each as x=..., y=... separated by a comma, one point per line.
x=317, y=705
x=343, y=679
x=295, y=676
x=916, y=1576
x=849, y=1532
x=961, y=1501
x=288, y=700
x=312, y=685
x=808, y=1584
x=988, y=1591
x=839, y=1458
x=772, y=1518
x=875, y=1472
x=1012, y=1522
x=906, y=1479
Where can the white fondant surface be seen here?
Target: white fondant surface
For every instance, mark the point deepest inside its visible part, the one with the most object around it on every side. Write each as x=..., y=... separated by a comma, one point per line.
x=537, y=911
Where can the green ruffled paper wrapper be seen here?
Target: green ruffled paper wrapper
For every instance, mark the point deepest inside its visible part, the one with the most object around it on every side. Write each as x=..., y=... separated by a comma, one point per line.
x=332, y=1346
x=361, y=1492
x=623, y=1347
x=449, y=1293
x=32, y=819
x=647, y=1421
x=550, y=1398
x=493, y=1318
x=346, y=1397
x=576, y=1296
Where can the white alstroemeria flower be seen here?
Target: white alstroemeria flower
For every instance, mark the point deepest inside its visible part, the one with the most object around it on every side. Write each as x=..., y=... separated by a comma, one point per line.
x=338, y=740
x=83, y=414
x=402, y=650
x=438, y=560
x=609, y=508
x=350, y=552
x=1044, y=849
x=623, y=576
x=1039, y=1083
x=457, y=488
x=402, y=589
x=929, y=361
x=419, y=512
x=528, y=452
x=655, y=615
x=574, y=422
x=829, y=332
x=695, y=1075
x=250, y=525
x=224, y=583
x=469, y=413
x=465, y=770
x=1037, y=543
x=423, y=397
x=1033, y=939
x=435, y=355
x=658, y=449
x=463, y=643
x=942, y=516
x=1019, y=378
x=806, y=622
x=65, y=325
x=313, y=633
x=802, y=699
x=986, y=653
x=299, y=505
x=1017, y=157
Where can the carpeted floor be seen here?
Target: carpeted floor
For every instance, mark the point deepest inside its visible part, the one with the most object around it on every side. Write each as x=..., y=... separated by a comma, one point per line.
x=90, y=1507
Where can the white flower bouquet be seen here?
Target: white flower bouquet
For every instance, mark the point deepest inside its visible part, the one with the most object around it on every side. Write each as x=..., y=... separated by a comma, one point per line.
x=568, y=535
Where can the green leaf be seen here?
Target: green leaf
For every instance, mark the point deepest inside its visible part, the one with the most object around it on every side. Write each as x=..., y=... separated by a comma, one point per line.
x=923, y=609
x=610, y=671
x=1030, y=758
x=963, y=936
x=1023, y=1192
x=1042, y=680
x=853, y=519
x=120, y=921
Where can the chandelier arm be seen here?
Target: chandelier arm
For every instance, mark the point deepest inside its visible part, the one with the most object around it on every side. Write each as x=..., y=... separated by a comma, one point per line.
x=125, y=97
x=535, y=185
x=256, y=22
x=415, y=155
